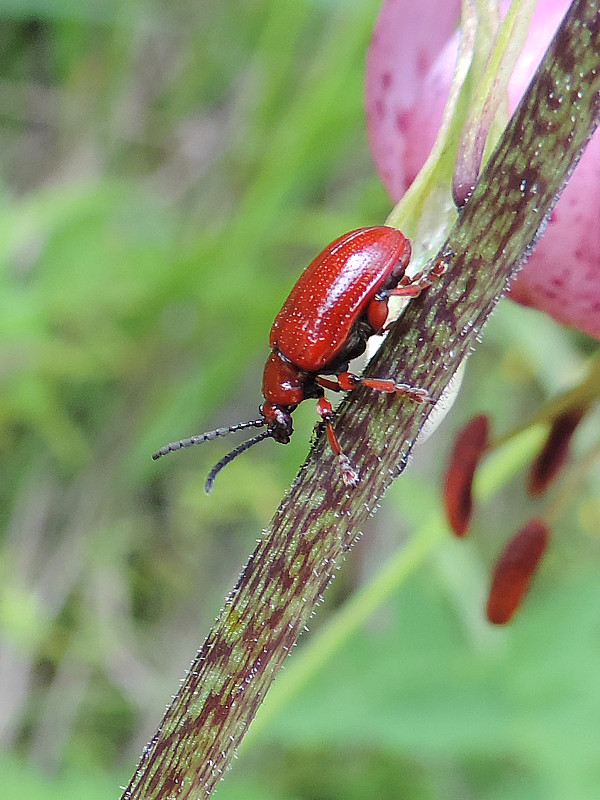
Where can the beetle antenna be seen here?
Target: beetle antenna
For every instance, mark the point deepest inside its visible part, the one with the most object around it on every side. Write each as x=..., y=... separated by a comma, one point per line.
x=206, y=437
x=241, y=448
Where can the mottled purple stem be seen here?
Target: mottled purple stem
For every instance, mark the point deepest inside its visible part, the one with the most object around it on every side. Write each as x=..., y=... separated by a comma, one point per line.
x=319, y=519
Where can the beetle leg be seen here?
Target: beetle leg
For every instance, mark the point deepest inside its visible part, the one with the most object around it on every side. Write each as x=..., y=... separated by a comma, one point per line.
x=324, y=409
x=415, y=393
x=413, y=286
x=327, y=384
x=348, y=381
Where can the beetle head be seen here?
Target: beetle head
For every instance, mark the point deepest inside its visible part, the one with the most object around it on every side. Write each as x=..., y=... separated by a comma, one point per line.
x=279, y=420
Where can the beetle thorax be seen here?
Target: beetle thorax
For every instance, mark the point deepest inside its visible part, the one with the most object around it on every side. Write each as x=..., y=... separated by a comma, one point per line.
x=283, y=383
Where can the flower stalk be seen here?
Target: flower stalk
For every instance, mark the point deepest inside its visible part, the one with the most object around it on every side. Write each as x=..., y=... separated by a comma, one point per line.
x=319, y=519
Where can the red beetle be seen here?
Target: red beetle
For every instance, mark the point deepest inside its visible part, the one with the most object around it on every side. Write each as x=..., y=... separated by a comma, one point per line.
x=340, y=300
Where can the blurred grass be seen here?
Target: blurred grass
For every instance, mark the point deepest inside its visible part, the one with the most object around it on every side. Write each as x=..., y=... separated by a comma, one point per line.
x=166, y=172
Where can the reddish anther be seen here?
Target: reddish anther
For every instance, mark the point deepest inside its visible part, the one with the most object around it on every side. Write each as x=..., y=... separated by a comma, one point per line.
x=340, y=300
x=555, y=451
x=515, y=569
x=469, y=447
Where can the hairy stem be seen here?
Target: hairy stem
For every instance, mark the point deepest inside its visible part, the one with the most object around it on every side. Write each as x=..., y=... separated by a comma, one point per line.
x=320, y=519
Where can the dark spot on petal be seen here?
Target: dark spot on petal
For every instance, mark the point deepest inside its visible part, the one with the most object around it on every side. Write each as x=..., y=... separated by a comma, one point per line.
x=403, y=121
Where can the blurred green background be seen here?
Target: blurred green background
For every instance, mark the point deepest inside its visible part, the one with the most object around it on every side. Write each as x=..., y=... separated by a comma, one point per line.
x=167, y=169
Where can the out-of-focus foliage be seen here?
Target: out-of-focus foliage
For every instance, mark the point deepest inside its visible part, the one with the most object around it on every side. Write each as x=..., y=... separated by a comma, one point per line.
x=167, y=169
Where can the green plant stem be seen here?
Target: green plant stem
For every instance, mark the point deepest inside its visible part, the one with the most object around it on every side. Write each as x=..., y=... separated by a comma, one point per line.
x=572, y=484
x=351, y=617
x=319, y=519
x=580, y=396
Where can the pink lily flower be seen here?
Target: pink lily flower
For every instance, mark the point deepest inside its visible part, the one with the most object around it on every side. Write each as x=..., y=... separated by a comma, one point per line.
x=409, y=69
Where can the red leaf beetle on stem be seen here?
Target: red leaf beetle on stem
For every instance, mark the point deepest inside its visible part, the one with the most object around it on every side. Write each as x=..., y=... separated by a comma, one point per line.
x=340, y=300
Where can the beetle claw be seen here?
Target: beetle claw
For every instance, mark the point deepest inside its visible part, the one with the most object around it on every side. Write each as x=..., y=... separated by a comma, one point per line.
x=414, y=393
x=350, y=476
